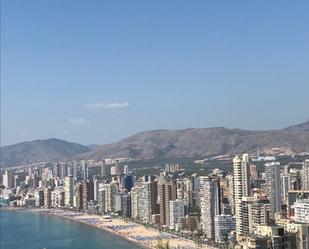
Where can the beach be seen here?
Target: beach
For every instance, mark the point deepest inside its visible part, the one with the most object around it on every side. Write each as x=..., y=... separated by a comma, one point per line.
x=143, y=237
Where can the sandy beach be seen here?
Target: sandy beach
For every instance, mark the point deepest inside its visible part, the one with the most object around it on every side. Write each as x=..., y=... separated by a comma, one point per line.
x=142, y=236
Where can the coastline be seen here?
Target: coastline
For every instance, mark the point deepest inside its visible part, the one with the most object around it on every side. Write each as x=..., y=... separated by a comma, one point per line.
x=139, y=235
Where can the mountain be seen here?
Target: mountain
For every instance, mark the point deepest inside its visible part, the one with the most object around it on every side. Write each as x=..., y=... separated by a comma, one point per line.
x=299, y=127
x=199, y=143
x=38, y=151
x=204, y=142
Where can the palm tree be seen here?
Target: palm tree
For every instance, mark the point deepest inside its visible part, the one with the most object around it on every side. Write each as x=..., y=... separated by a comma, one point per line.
x=162, y=245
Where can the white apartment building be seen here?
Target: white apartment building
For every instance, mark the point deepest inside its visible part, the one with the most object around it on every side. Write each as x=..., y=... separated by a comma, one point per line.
x=301, y=211
x=177, y=210
x=241, y=189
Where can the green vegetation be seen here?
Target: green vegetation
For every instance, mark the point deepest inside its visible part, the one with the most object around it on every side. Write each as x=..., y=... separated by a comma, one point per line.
x=162, y=245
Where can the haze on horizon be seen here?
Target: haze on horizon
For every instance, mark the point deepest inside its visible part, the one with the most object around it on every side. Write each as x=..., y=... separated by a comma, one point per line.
x=96, y=72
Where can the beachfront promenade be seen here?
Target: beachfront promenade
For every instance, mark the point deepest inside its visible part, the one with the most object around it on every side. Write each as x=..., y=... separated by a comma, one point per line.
x=144, y=237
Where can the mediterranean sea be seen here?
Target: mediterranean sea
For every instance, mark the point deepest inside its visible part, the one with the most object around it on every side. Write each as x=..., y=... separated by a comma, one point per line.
x=26, y=230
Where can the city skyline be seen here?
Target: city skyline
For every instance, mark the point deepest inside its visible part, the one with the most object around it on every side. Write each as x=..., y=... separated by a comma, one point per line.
x=241, y=204
x=95, y=74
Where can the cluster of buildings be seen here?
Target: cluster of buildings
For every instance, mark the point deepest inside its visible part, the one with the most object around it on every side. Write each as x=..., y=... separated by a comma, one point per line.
x=248, y=207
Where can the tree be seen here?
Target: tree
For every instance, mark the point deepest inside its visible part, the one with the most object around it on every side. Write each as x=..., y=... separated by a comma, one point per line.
x=163, y=245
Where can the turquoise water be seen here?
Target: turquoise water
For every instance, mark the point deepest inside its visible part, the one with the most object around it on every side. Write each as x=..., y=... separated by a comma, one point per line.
x=26, y=230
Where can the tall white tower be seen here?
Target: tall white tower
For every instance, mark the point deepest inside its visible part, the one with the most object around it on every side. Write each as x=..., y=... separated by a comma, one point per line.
x=241, y=188
x=210, y=205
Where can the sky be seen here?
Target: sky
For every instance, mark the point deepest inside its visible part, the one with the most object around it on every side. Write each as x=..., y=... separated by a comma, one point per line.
x=96, y=71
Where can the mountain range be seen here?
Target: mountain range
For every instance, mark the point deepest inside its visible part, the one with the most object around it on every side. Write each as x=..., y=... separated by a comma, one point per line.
x=47, y=150
x=199, y=143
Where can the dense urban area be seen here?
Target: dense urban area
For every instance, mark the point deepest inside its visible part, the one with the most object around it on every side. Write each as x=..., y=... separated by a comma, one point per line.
x=255, y=202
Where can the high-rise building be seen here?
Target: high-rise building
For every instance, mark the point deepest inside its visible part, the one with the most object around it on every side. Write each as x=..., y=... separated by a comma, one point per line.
x=167, y=191
x=102, y=200
x=57, y=197
x=79, y=196
x=63, y=170
x=56, y=170
x=172, y=168
x=154, y=197
x=293, y=196
x=285, y=186
x=301, y=209
x=84, y=170
x=8, y=179
x=69, y=191
x=128, y=182
x=88, y=193
x=254, y=212
x=273, y=236
x=47, y=197
x=141, y=201
x=109, y=191
x=122, y=204
x=39, y=198
x=134, y=202
x=305, y=175
x=209, y=204
x=241, y=188
x=273, y=187
x=144, y=201
x=224, y=224
x=96, y=184
x=116, y=170
x=177, y=210
x=301, y=232
x=125, y=170
x=105, y=170
x=258, y=212
x=74, y=170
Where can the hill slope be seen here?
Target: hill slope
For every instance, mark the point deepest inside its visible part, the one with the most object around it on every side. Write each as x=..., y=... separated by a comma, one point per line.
x=38, y=151
x=203, y=142
x=163, y=143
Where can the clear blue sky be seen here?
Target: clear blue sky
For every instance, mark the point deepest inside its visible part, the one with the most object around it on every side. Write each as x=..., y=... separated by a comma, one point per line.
x=98, y=71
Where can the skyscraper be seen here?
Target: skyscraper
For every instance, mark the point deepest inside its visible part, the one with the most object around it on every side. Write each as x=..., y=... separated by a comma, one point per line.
x=241, y=188
x=88, y=193
x=47, y=197
x=144, y=201
x=117, y=168
x=79, y=196
x=177, y=210
x=105, y=170
x=74, y=170
x=167, y=191
x=141, y=201
x=96, y=184
x=8, y=179
x=273, y=187
x=305, y=175
x=69, y=190
x=285, y=185
x=210, y=205
x=84, y=170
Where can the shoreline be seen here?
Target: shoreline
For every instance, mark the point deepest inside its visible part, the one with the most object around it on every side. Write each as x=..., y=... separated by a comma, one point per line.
x=48, y=212
x=137, y=234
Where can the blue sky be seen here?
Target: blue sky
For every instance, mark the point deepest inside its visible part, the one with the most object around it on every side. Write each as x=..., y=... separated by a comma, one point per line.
x=98, y=71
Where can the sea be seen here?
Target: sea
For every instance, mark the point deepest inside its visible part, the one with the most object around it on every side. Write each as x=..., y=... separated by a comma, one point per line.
x=26, y=230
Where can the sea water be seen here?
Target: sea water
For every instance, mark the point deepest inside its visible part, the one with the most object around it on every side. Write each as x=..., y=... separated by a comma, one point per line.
x=26, y=230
